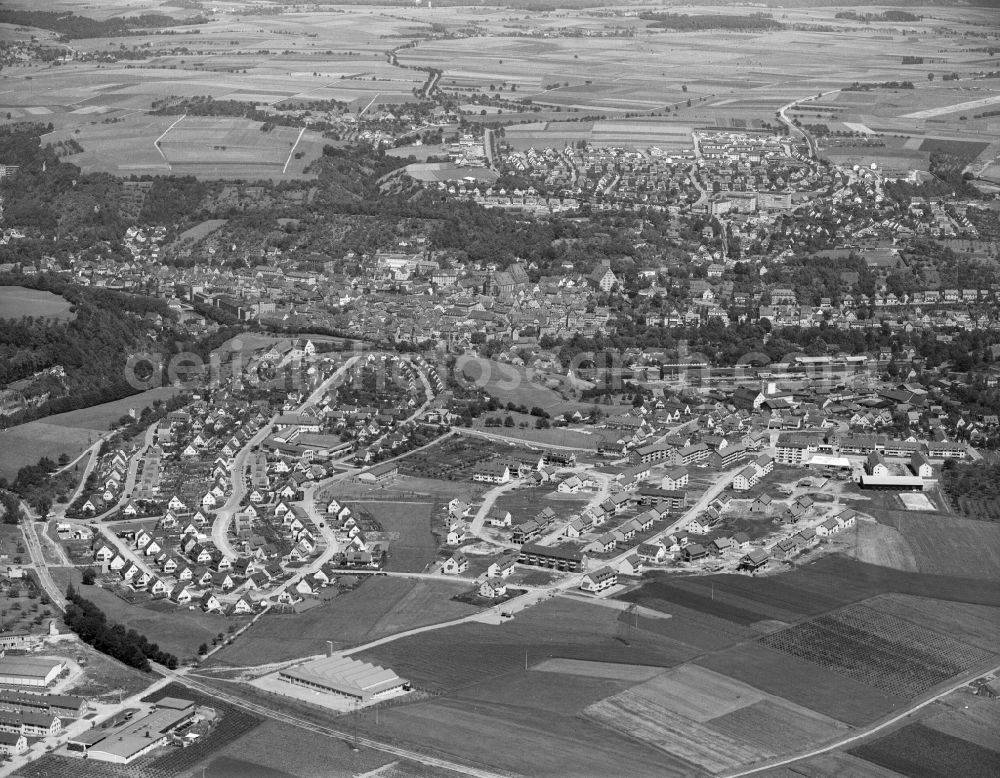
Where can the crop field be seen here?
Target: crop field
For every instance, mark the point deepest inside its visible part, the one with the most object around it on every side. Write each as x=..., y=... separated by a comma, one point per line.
x=17, y=301
x=977, y=625
x=611, y=670
x=408, y=526
x=922, y=752
x=777, y=727
x=139, y=143
x=465, y=654
x=835, y=764
x=546, y=741
x=814, y=588
x=969, y=717
x=878, y=544
x=878, y=649
x=275, y=749
x=803, y=683
x=711, y=720
x=721, y=604
x=378, y=607
x=953, y=546
x=646, y=720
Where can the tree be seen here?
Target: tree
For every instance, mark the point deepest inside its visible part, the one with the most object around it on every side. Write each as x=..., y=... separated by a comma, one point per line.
x=930, y=76
x=509, y=421
x=203, y=649
x=89, y=576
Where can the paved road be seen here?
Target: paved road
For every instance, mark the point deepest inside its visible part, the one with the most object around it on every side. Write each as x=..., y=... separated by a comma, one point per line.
x=133, y=470
x=38, y=562
x=864, y=733
x=224, y=515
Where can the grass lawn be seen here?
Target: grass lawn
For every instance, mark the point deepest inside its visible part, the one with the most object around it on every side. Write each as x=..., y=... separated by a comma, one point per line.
x=378, y=607
x=176, y=630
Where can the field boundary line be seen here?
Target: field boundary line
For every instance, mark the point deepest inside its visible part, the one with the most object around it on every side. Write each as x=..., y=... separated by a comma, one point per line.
x=868, y=732
x=292, y=152
x=156, y=143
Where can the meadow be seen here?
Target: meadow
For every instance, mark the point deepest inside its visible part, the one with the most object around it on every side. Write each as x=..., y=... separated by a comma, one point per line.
x=412, y=547
x=17, y=301
x=68, y=433
x=176, y=630
x=378, y=607
x=25, y=444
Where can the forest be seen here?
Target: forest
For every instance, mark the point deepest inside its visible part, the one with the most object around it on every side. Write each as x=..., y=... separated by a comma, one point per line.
x=754, y=22
x=70, y=26
x=93, y=348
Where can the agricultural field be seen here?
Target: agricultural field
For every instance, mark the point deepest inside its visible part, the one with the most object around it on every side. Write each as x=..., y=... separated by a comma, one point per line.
x=953, y=546
x=878, y=544
x=378, y=607
x=968, y=716
x=17, y=301
x=276, y=750
x=922, y=752
x=822, y=585
x=458, y=656
x=803, y=683
x=407, y=526
x=878, y=649
x=710, y=720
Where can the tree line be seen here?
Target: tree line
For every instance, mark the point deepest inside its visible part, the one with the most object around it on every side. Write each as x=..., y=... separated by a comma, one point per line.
x=111, y=638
